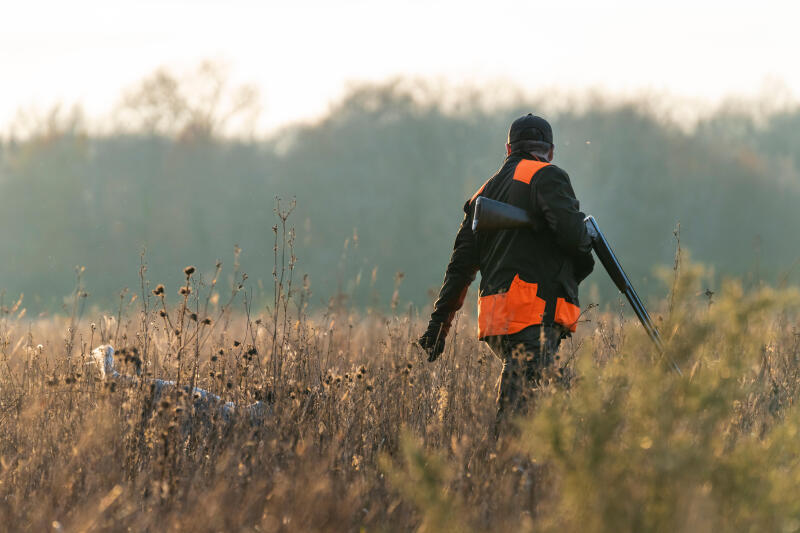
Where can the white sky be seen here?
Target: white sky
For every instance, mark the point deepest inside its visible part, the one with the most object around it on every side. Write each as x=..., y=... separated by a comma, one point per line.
x=302, y=54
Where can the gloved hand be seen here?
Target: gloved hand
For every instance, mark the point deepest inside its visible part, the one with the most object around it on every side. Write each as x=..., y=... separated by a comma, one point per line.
x=432, y=341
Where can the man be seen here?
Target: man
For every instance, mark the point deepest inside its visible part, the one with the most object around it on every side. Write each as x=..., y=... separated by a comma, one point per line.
x=529, y=277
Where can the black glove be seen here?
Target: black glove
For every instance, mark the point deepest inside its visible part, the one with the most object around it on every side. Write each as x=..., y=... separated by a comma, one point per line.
x=432, y=341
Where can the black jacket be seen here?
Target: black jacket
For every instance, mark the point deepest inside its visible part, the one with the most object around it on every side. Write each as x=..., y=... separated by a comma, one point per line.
x=555, y=255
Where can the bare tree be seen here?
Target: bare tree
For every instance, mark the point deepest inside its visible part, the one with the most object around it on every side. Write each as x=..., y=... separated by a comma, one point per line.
x=200, y=104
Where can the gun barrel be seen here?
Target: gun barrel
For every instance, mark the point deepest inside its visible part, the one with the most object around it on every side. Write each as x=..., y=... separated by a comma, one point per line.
x=606, y=255
x=612, y=265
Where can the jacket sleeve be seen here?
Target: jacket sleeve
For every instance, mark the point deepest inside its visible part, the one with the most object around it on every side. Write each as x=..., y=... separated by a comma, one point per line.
x=554, y=198
x=461, y=271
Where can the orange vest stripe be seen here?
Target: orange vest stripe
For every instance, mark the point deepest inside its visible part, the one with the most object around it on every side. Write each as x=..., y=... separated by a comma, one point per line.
x=567, y=314
x=524, y=172
x=511, y=311
x=526, y=169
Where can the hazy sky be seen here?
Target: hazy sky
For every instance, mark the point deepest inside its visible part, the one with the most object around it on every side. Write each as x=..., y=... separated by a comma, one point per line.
x=301, y=54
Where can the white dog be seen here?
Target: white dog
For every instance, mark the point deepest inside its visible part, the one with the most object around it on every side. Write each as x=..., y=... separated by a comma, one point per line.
x=103, y=357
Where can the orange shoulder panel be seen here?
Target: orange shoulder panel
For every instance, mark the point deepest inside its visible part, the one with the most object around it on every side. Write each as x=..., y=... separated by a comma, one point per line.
x=526, y=169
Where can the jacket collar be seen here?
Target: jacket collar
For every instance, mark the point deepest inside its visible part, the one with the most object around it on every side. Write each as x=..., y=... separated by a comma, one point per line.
x=526, y=155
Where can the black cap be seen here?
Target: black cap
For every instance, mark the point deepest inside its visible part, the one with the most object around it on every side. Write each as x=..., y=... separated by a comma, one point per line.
x=530, y=128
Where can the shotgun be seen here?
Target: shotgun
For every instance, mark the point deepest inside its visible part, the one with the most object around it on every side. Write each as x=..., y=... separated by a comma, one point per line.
x=491, y=215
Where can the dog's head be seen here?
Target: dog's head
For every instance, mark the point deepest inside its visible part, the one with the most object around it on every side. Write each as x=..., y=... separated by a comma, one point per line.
x=103, y=357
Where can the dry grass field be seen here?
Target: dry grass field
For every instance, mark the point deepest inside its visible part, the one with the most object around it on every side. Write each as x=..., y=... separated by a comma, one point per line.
x=361, y=434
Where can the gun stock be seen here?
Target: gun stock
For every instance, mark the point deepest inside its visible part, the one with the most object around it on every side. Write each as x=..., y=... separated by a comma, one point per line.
x=491, y=215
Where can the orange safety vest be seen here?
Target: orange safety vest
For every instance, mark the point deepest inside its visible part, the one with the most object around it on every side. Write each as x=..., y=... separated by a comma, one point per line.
x=520, y=306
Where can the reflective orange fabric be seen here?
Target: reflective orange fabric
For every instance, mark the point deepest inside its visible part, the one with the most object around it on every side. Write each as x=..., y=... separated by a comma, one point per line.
x=511, y=311
x=526, y=168
x=567, y=314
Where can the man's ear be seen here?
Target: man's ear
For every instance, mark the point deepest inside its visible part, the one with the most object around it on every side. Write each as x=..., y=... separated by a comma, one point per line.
x=508, y=149
x=550, y=153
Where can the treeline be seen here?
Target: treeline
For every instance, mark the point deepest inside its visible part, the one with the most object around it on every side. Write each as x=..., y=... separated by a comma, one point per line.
x=379, y=183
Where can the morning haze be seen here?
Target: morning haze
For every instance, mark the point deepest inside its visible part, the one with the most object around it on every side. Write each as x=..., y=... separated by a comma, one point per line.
x=379, y=182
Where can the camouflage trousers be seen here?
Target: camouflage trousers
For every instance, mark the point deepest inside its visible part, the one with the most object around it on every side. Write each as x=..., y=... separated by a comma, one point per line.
x=526, y=356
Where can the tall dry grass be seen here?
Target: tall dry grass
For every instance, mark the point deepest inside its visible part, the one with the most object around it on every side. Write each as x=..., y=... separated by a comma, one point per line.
x=361, y=434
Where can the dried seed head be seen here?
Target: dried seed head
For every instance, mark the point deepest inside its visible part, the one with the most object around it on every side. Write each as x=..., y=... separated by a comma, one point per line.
x=189, y=271
x=162, y=313
x=159, y=290
x=237, y=343
x=193, y=316
x=207, y=321
x=185, y=290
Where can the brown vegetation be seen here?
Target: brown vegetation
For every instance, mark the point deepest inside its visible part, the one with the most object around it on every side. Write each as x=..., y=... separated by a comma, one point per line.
x=361, y=433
